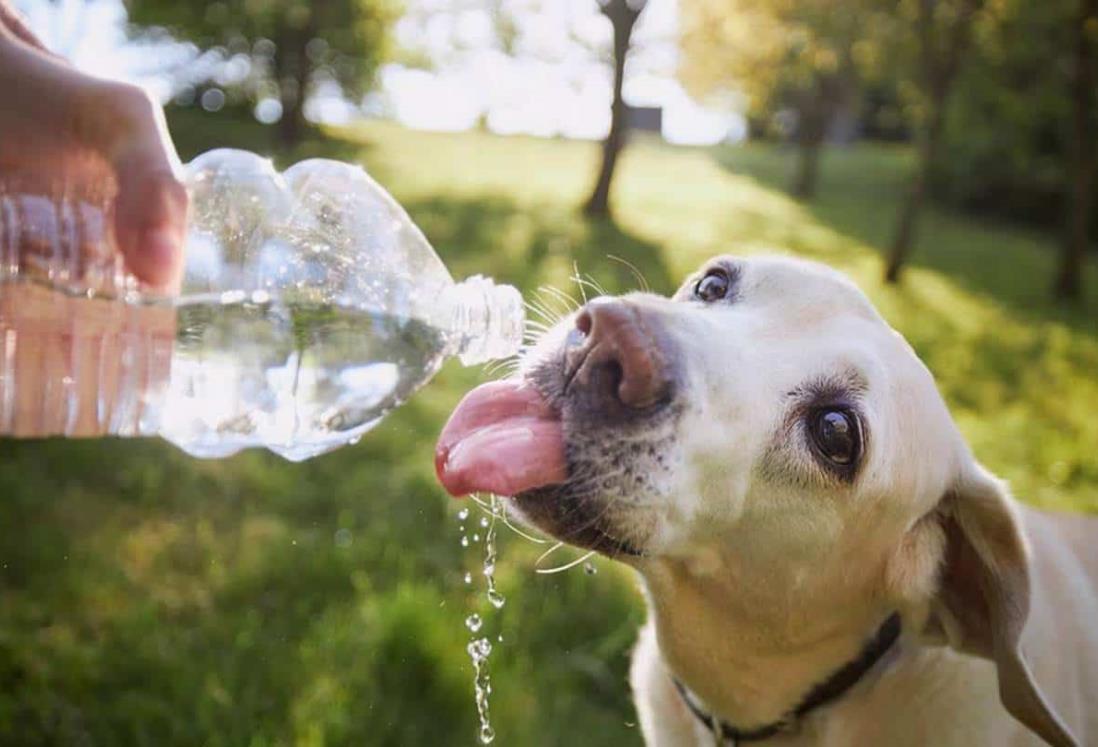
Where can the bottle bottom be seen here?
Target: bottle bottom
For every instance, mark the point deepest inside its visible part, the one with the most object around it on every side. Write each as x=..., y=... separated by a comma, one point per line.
x=77, y=366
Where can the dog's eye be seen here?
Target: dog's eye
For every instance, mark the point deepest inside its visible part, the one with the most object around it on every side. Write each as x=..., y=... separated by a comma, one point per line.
x=836, y=435
x=714, y=286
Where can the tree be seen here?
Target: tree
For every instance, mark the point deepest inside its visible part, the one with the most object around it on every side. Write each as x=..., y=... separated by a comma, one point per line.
x=1069, y=282
x=623, y=15
x=801, y=55
x=942, y=37
x=292, y=46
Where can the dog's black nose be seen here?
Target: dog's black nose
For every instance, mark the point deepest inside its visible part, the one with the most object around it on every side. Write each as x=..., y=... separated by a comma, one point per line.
x=618, y=362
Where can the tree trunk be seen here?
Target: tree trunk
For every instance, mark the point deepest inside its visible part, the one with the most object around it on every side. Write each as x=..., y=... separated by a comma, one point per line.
x=623, y=17
x=808, y=168
x=599, y=202
x=292, y=71
x=291, y=128
x=916, y=197
x=940, y=63
x=1069, y=281
x=813, y=120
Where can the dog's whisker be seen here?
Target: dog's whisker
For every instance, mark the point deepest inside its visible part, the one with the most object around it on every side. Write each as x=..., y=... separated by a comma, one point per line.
x=567, y=300
x=556, y=546
x=551, y=293
x=519, y=532
x=636, y=272
x=553, y=309
x=537, y=311
x=588, y=281
x=532, y=324
x=503, y=363
x=547, y=295
x=566, y=566
x=502, y=516
x=578, y=281
x=539, y=307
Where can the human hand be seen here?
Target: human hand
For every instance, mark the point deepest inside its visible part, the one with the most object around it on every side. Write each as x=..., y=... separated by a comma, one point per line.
x=59, y=123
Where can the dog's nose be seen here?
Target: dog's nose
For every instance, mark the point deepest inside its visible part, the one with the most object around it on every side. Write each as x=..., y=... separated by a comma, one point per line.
x=618, y=359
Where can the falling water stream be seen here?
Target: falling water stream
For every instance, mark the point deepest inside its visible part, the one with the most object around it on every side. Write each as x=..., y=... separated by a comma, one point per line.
x=479, y=647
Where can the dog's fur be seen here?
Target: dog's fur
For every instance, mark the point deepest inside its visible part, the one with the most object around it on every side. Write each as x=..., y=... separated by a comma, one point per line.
x=764, y=572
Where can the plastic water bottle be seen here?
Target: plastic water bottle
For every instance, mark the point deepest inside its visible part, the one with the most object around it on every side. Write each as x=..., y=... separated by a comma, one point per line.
x=311, y=307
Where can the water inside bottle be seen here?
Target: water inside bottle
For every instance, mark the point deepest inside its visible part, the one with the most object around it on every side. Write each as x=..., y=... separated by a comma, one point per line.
x=297, y=376
x=213, y=374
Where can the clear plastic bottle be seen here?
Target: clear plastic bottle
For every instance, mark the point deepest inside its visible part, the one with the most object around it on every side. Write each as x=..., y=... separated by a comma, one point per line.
x=311, y=307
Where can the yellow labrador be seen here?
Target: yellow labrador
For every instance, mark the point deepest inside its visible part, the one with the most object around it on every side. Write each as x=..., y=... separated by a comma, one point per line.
x=825, y=563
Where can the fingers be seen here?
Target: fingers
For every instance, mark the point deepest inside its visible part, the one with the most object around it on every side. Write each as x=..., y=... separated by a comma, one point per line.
x=151, y=207
x=58, y=106
x=12, y=20
x=150, y=222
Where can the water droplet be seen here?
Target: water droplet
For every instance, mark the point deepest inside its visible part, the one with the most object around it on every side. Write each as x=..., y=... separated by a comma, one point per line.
x=479, y=649
x=343, y=538
x=590, y=569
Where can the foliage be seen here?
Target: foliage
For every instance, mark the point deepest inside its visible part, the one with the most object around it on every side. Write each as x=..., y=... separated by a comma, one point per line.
x=940, y=46
x=1006, y=149
x=287, y=48
x=774, y=51
x=149, y=598
x=800, y=64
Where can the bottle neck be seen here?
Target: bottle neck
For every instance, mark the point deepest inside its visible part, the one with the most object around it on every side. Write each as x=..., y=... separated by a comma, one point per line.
x=485, y=321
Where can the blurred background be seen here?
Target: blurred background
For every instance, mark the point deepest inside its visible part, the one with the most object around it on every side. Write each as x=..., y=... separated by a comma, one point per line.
x=942, y=152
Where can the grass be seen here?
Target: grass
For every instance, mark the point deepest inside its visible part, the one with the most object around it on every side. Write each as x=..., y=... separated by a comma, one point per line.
x=147, y=598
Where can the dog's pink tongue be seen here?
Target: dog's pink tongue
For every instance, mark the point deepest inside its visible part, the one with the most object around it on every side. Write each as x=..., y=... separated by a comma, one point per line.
x=502, y=438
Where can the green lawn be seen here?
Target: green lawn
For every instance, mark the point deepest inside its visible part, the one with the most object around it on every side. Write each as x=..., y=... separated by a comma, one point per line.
x=146, y=598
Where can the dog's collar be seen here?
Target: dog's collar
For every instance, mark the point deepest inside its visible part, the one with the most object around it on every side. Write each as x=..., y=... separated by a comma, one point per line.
x=838, y=683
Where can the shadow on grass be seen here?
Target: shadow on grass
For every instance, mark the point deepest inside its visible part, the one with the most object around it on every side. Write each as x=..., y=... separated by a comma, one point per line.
x=859, y=195
x=529, y=245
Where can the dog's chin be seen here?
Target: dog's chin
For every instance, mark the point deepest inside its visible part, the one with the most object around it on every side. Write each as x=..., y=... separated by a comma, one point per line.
x=576, y=519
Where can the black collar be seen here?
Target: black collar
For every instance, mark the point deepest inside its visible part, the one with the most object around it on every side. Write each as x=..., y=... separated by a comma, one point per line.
x=838, y=683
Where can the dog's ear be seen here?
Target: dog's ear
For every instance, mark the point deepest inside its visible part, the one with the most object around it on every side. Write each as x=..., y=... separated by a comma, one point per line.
x=983, y=596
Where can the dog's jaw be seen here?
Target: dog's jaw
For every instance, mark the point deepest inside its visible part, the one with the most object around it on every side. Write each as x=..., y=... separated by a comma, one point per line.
x=619, y=473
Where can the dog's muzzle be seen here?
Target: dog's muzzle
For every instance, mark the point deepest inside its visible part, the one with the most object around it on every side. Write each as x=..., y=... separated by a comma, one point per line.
x=616, y=364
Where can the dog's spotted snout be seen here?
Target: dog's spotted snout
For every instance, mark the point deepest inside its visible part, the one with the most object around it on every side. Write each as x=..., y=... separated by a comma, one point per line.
x=615, y=359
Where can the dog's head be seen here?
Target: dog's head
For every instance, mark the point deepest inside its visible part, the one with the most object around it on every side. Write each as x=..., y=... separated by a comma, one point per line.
x=766, y=428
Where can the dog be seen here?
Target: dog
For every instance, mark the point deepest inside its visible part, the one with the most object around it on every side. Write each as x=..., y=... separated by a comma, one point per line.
x=823, y=559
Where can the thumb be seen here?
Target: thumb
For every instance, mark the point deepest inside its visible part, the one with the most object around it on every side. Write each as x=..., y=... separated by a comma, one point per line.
x=151, y=207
